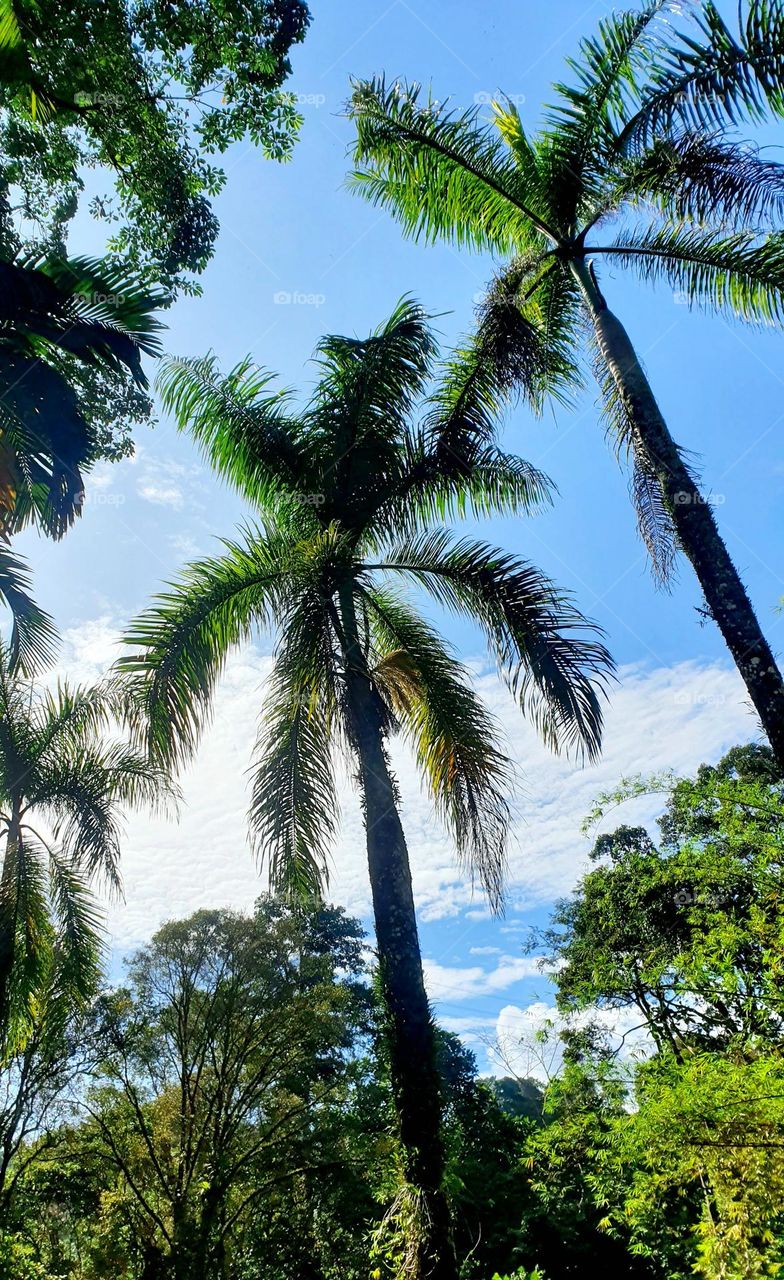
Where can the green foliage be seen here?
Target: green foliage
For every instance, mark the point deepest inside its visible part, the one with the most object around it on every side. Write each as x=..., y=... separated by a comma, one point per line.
x=61, y=772
x=346, y=493
x=219, y=1117
x=149, y=91
x=17, y=1260
x=686, y=931
x=637, y=133
x=60, y=322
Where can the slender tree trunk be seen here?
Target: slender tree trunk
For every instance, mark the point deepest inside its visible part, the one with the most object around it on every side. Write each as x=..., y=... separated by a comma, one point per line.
x=692, y=516
x=9, y=904
x=414, y=1073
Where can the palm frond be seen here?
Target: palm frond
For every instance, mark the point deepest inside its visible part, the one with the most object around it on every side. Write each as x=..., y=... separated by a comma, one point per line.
x=34, y=636
x=78, y=942
x=69, y=715
x=741, y=273
x=242, y=427
x=46, y=441
x=709, y=78
x=439, y=484
x=583, y=123
x=294, y=805
x=26, y=932
x=704, y=178
x=359, y=414
x=82, y=791
x=654, y=521
x=441, y=173
x=182, y=641
x=523, y=345
x=453, y=736
x=533, y=629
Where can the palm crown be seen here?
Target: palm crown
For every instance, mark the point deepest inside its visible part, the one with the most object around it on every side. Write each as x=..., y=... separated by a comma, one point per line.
x=638, y=135
x=55, y=314
x=63, y=785
x=349, y=491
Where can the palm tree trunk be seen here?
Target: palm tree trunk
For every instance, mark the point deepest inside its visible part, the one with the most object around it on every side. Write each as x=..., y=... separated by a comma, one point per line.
x=9, y=905
x=692, y=516
x=415, y=1080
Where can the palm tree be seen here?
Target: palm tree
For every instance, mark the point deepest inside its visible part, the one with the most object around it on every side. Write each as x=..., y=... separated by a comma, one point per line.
x=640, y=133
x=348, y=492
x=62, y=787
x=56, y=314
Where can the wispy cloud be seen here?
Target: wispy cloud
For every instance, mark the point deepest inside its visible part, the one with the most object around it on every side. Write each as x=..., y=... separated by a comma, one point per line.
x=162, y=495
x=526, y=1041
x=676, y=716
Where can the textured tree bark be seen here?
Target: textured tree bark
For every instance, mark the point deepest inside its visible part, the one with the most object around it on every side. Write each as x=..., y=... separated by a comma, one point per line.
x=692, y=515
x=410, y=1031
x=9, y=905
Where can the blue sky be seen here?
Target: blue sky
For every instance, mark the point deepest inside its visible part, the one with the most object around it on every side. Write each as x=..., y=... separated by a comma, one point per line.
x=295, y=232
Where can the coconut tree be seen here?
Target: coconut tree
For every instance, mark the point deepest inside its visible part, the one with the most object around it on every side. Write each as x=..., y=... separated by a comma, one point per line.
x=639, y=134
x=352, y=493
x=63, y=785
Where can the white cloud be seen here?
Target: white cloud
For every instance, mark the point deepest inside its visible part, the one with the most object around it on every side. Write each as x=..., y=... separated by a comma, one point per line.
x=527, y=1042
x=185, y=546
x=676, y=716
x=444, y=982
x=484, y=951
x=167, y=483
x=162, y=495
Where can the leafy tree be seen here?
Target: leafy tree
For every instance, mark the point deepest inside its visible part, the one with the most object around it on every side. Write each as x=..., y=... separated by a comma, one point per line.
x=575, y=1173
x=687, y=930
x=150, y=91
x=710, y=1128
x=58, y=770
x=639, y=134
x=34, y=1085
x=218, y=1061
x=349, y=492
x=518, y=1097
x=488, y=1183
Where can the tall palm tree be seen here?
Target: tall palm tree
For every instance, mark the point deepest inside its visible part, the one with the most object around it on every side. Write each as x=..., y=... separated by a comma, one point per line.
x=641, y=133
x=349, y=492
x=63, y=785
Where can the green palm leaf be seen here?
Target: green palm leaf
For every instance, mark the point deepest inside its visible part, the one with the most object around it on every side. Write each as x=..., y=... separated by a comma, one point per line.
x=742, y=272
x=535, y=631
x=294, y=807
x=182, y=642
x=453, y=736
x=34, y=635
x=440, y=172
